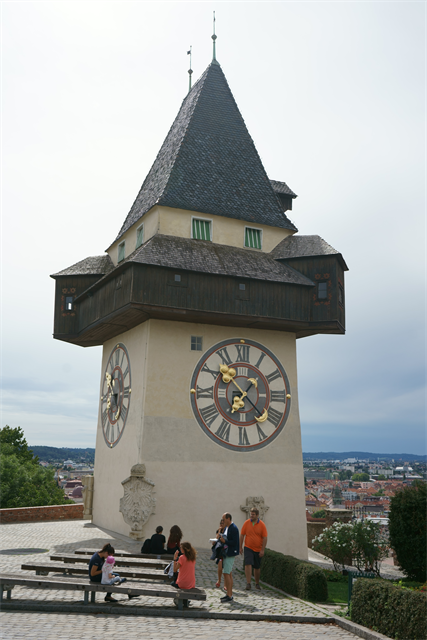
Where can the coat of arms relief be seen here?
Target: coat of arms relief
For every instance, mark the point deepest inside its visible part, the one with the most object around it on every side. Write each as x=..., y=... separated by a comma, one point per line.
x=138, y=502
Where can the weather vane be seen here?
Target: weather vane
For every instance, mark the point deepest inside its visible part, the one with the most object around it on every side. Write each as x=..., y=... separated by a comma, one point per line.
x=190, y=71
x=214, y=38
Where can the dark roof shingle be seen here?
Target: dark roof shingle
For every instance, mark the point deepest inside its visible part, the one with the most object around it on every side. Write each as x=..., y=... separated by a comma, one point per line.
x=94, y=265
x=282, y=187
x=209, y=163
x=304, y=247
x=208, y=257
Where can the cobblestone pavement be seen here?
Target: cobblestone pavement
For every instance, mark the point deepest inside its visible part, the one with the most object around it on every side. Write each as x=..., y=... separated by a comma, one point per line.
x=66, y=536
x=51, y=626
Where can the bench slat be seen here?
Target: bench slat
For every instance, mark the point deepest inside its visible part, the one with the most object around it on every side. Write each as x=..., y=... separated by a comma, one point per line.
x=167, y=557
x=72, y=568
x=76, y=584
x=121, y=562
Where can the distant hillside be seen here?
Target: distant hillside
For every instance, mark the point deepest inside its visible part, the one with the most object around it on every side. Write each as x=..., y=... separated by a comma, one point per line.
x=55, y=455
x=363, y=455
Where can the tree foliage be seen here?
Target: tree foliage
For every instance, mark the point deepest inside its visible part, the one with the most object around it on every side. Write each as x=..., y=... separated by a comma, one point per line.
x=407, y=526
x=23, y=482
x=12, y=441
x=360, y=477
x=321, y=513
x=361, y=544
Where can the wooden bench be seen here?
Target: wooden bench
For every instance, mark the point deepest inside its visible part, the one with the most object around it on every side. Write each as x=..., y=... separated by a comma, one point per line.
x=9, y=581
x=124, y=561
x=45, y=568
x=167, y=557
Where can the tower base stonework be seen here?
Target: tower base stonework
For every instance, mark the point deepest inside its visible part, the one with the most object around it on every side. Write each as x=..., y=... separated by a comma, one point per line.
x=196, y=480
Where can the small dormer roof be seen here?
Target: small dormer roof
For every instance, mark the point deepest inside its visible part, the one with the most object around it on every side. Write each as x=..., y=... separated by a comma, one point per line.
x=304, y=247
x=208, y=162
x=282, y=188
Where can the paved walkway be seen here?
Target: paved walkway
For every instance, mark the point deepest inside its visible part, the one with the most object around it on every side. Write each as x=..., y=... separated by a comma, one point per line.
x=66, y=536
x=52, y=626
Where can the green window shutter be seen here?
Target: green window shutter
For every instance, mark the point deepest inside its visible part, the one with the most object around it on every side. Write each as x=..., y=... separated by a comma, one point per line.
x=201, y=229
x=121, y=252
x=139, y=236
x=253, y=238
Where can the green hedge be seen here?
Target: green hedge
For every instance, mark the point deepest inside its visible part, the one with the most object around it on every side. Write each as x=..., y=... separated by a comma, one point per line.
x=397, y=613
x=296, y=577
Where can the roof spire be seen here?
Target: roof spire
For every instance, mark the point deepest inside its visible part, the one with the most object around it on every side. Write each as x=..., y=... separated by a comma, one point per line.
x=214, y=38
x=190, y=71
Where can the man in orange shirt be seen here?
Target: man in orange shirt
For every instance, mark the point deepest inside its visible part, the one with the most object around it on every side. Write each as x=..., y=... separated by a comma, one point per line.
x=255, y=532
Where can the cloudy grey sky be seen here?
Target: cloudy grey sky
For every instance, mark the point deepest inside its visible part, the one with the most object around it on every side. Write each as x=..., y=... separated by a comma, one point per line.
x=333, y=94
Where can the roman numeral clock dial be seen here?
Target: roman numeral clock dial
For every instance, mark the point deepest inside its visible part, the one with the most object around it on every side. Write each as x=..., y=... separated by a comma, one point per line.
x=116, y=394
x=240, y=395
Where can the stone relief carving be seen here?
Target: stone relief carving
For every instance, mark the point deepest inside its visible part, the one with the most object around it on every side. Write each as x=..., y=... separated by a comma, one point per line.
x=255, y=501
x=87, y=497
x=138, y=502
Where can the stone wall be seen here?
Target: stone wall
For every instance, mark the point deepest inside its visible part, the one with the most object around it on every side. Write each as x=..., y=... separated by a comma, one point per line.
x=42, y=514
x=313, y=530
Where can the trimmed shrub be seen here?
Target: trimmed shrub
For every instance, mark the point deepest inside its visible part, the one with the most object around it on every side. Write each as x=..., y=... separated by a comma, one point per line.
x=407, y=526
x=296, y=577
x=397, y=613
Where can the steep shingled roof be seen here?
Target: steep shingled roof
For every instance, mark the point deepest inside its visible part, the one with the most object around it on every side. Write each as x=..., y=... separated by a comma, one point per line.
x=207, y=257
x=209, y=163
x=304, y=247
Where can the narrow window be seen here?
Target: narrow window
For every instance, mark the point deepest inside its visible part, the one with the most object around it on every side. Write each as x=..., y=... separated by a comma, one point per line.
x=121, y=252
x=196, y=343
x=322, y=290
x=242, y=287
x=253, y=238
x=139, y=236
x=69, y=303
x=177, y=278
x=201, y=229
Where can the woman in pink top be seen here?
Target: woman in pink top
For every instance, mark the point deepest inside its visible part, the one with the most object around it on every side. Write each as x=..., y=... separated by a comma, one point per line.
x=186, y=564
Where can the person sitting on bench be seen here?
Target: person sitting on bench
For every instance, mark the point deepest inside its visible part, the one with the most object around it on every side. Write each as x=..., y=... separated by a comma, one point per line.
x=185, y=564
x=175, y=537
x=95, y=567
x=155, y=544
x=109, y=576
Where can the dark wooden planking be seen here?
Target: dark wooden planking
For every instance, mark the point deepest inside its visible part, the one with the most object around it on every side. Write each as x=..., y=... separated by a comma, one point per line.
x=141, y=292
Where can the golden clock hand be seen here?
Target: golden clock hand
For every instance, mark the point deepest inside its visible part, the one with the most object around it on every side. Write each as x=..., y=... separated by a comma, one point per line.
x=237, y=401
x=241, y=390
x=262, y=418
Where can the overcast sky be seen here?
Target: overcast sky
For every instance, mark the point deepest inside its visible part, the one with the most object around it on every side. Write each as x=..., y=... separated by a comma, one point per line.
x=333, y=94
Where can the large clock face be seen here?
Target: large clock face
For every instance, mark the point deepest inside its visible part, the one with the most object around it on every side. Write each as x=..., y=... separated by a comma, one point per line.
x=116, y=392
x=240, y=395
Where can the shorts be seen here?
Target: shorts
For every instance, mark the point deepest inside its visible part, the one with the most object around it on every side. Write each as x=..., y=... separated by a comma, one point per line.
x=227, y=564
x=252, y=558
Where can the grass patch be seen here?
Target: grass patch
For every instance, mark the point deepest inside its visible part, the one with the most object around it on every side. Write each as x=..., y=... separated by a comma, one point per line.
x=337, y=592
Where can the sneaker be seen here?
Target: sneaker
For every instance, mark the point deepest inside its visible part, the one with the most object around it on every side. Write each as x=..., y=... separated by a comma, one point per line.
x=227, y=599
x=258, y=587
x=109, y=599
x=130, y=596
x=123, y=580
x=248, y=586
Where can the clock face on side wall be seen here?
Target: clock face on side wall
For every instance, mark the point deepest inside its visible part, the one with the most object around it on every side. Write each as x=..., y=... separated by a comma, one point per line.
x=240, y=395
x=116, y=393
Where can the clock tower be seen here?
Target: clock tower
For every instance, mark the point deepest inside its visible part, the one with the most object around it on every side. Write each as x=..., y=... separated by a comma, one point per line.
x=198, y=303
